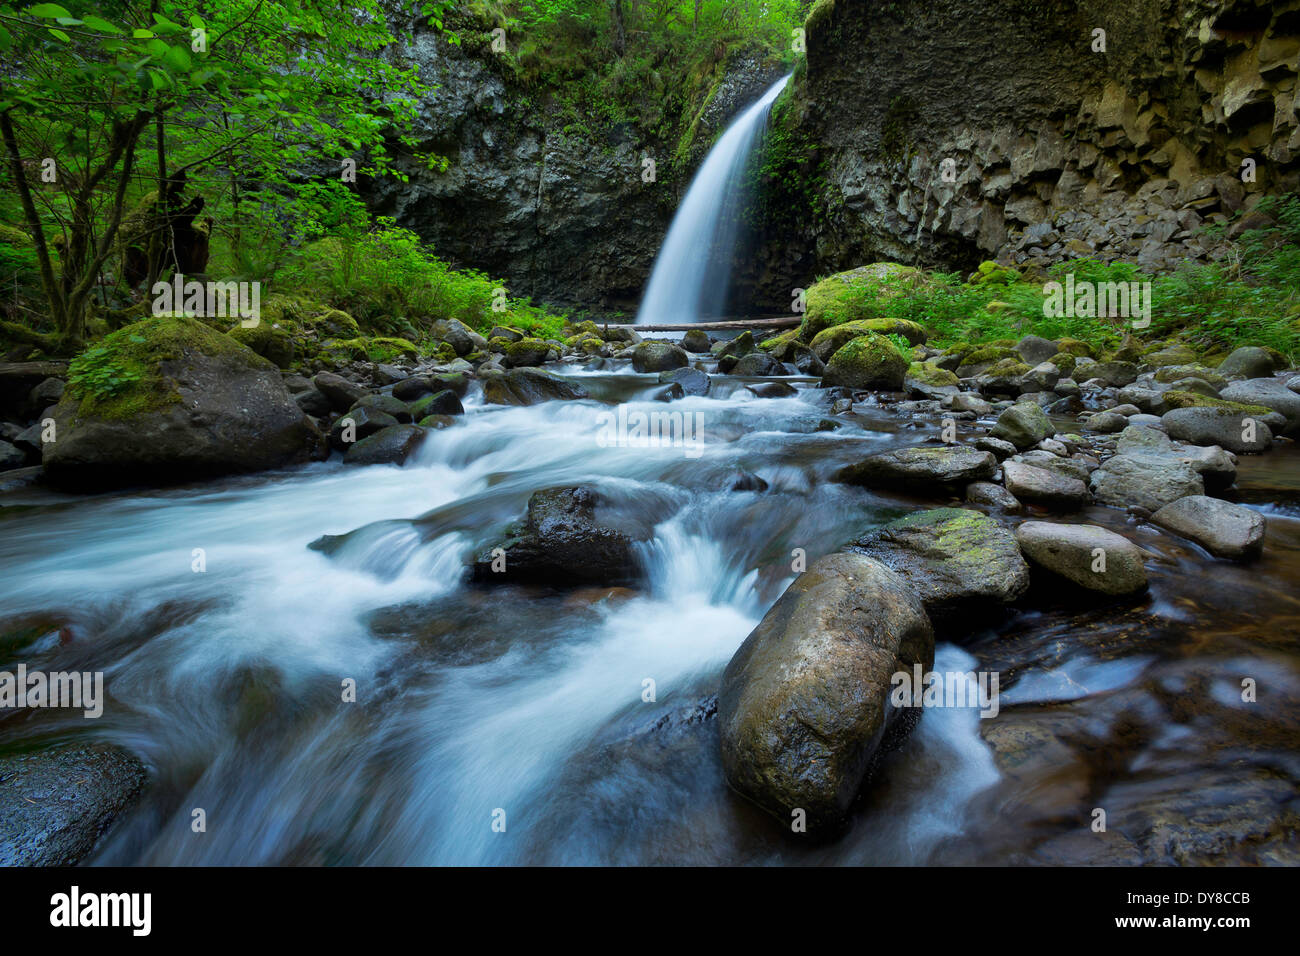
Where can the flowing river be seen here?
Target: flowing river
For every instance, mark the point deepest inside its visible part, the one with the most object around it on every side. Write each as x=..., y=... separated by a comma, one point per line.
x=477, y=704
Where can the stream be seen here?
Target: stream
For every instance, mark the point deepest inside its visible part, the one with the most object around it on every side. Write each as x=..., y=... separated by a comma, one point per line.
x=477, y=703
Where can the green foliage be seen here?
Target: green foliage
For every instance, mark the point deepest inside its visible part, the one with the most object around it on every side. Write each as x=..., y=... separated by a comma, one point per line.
x=102, y=372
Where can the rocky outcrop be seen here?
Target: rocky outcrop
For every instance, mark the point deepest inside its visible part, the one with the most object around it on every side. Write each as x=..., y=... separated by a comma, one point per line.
x=558, y=209
x=1035, y=146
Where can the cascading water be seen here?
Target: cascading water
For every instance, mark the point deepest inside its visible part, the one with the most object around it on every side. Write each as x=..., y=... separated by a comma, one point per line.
x=693, y=267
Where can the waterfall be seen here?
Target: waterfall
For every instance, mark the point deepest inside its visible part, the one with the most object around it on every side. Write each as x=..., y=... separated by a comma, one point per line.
x=694, y=264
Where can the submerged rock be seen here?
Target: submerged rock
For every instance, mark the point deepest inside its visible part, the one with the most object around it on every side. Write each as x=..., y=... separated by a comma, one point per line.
x=55, y=804
x=1086, y=555
x=922, y=468
x=804, y=703
x=1224, y=529
x=562, y=542
x=957, y=560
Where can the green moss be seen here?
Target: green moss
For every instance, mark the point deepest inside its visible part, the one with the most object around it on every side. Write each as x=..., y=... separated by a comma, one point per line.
x=856, y=295
x=1180, y=399
x=987, y=353
x=1065, y=362
x=120, y=376
x=1077, y=348
x=377, y=349
x=931, y=375
x=867, y=361
x=991, y=273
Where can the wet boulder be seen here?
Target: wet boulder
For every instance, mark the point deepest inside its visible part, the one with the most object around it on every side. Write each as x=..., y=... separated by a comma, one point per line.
x=1084, y=555
x=1048, y=487
x=567, y=539
x=959, y=561
x=923, y=468
x=691, y=380
x=867, y=361
x=529, y=386
x=658, y=357
x=1250, y=362
x=56, y=804
x=388, y=446
x=1224, y=529
x=1145, y=480
x=1270, y=393
x=191, y=403
x=804, y=705
x=1023, y=424
x=1238, y=431
x=340, y=393
x=696, y=340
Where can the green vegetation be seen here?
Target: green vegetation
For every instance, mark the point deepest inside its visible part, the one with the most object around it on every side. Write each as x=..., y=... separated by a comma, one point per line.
x=1250, y=298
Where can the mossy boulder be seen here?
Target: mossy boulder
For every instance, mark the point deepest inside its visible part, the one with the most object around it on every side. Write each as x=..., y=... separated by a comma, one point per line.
x=168, y=399
x=829, y=341
x=862, y=293
x=527, y=353
x=866, y=361
x=979, y=359
x=1065, y=362
x=1077, y=347
x=992, y=273
x=1180, y=399
x=270, y=340
x=930, y=375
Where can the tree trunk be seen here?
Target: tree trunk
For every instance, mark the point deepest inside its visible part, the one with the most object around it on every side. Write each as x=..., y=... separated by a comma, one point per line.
x=620, y=37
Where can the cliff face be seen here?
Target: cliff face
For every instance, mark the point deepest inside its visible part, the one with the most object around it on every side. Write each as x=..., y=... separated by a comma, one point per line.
x=560, y=212
x=1053, y=149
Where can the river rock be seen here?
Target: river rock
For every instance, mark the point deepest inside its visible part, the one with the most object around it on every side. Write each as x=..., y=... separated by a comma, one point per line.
x=444, y=402
x=563, y=542
x=658, y=357
x=957, y=560
x=1250, y=362
x=56, y=804
x=17, y=379
x=529, y=386
x=1269, y=392
x=1023, y=424
x=1091, y=557
x=758, y=364
x=1105, y=422
x=1224, y=529
x=867, y=361
x=691, y=380
x=989, y=495
x=1217, y=426
x=921, y=468
x=1114, y=374
x=1035, y=350
x=1217, y=468
x=1148, y=481
x=341, y=393
x=386, y=404
x=696, y=340
x=1000, y=448
x=204, y=406
x=388, y=446
x=1042, y=486
x=804, y=703
x=360, y=423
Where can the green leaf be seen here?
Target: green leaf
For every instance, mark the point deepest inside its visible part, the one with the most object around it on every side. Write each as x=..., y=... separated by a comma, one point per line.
x=5, y=39
x=47, y=11
x=100, y=24
x=178, y=58
x=142, y=34
x=157, y=49
x=60, y=35
x=159, y=79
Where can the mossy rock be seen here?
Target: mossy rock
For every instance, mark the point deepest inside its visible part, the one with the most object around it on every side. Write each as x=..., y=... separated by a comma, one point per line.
x=1172, y=373
x=992, y=273
x=776, y=341
x=377, y=349
x=829, y=341
x=984, y=356
x=1065, y=362
x=120, y=376
x=867, y=361
x=1179, y=399
x=579, y=329
x=269, y=340
x=11, y=236
x=862, y=293
x=930, y=375
x=1077, y=347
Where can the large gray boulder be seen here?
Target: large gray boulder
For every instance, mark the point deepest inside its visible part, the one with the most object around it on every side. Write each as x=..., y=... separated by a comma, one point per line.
x=804, y=704
x=1088, y=556
x=959, y=561
x=529, y=386
x=1269, y=392
x=658, y=357
x=923, y=468
x=1224, y=529
x=1249, y=361
x=1148, y=481
x=1225, y=427
x=201, y=405
x=1023, y=424
x=1044, y=486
